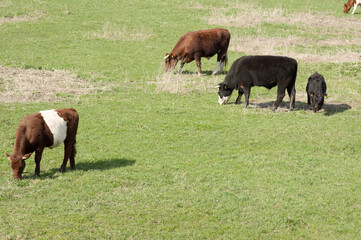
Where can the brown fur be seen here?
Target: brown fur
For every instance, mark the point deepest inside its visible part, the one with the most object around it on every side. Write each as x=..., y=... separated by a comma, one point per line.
x=348, y=5
x=194, y=45
x=33, y=134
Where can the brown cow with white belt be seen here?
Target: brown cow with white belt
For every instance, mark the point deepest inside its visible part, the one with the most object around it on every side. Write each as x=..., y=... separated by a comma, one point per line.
x=44, y=129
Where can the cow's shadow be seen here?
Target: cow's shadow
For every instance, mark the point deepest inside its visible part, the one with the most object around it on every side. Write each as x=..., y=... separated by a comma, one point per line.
x=334, y=108
x=204, y=73
x=328, y=108
x=100, y=165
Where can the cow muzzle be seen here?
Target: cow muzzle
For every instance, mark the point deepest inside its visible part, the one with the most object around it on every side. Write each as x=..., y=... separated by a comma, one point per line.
x=223, y=100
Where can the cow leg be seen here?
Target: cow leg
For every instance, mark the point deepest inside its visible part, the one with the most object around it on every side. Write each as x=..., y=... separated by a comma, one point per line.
x=199, y=65
x=67, y=151
x=72, y=155
x=280, y=96
x=240, y=93
x=221, y=66
x=354, y=8
x=292, y=94
x=38, y=154
x=247, y=91
x=180, y=66
x=216, y=69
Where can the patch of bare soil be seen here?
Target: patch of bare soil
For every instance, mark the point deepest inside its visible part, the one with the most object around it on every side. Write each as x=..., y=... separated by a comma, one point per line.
x=33, y=85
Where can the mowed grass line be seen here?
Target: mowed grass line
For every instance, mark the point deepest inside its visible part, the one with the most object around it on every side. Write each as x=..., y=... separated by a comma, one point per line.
x=156, y=165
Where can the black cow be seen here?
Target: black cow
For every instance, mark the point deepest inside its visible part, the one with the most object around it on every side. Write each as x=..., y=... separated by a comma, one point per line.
x=316, y=91
x=265, y=71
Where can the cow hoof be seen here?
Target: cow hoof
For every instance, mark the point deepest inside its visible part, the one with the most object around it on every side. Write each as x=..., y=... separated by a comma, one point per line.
x=62, y=169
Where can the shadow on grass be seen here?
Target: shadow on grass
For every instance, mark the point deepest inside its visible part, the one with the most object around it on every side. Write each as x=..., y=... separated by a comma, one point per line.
x=204, y=73
x=104, y=164
x=86, y=166
x=328, y=108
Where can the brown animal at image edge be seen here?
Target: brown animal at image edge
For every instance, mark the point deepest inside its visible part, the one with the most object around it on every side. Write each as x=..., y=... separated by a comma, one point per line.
x=44, y=129
x=349, y=4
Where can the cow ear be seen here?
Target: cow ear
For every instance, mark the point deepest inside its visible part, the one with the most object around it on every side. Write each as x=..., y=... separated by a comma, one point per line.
x=325, y=94
x=26, y=156
x=8, y=155
x=225, y=87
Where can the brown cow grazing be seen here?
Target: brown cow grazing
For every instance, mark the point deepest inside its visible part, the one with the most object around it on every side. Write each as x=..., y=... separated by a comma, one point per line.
x=194, y=45
x=44, y=129
x=349, y=4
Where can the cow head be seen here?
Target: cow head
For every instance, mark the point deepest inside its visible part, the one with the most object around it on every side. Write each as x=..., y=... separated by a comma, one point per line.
x=224, y=93
x=347, y=6
x=17, y=164
x=170, y=62
x=317, y=99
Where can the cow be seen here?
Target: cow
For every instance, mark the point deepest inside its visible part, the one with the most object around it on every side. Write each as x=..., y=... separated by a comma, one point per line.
x=265, y=71
x=316, y=91
x=349, y=4
x=195, y=45
x=44, y=129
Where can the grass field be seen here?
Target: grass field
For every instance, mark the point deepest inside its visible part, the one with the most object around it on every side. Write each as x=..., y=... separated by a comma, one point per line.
x=158, y=158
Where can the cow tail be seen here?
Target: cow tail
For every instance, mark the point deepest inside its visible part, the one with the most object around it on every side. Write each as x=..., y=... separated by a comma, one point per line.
x=226, y=60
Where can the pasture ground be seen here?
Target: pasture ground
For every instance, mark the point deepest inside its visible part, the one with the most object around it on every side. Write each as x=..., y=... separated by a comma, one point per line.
x=158, y=158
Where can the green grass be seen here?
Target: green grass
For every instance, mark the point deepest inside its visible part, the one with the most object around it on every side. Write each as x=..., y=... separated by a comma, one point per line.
x=157, y=165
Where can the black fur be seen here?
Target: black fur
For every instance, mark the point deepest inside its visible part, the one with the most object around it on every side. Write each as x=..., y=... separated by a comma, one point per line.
x=265, y=71
x=316, y=91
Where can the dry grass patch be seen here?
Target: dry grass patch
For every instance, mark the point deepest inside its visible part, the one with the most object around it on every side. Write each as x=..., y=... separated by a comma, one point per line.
x=24, y=18
x=32, y=85
x=185, y=83
x=5, y=3
x=342, y=29
x=113, y=32
x=258, y=45
x=251, y=15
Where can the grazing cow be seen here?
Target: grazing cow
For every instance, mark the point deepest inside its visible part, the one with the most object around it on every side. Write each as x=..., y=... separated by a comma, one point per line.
x=44, y=129
x=265, y=71
x=349, y=4
x=316, y=91
x=194, y=45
